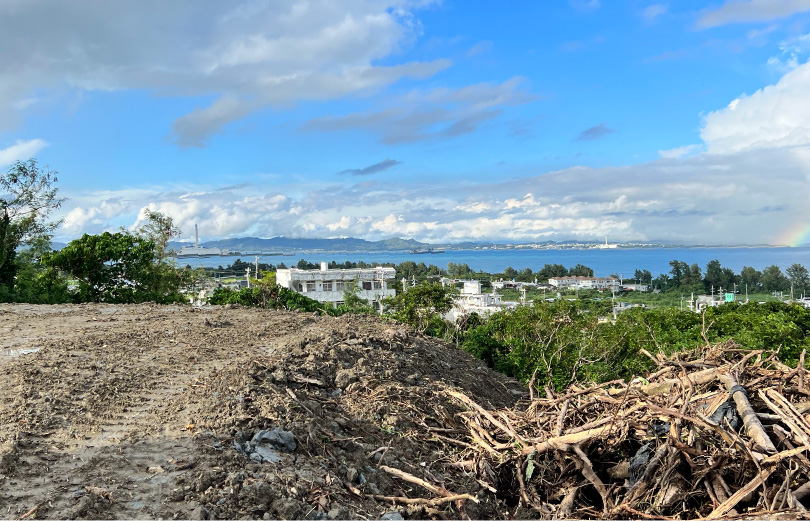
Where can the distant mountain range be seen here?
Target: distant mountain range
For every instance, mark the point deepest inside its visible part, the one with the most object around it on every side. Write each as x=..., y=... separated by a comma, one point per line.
x=286, y=244
x=352, y=244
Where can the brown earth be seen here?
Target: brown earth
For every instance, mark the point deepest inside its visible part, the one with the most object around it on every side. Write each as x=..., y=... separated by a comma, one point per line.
x=132, y=412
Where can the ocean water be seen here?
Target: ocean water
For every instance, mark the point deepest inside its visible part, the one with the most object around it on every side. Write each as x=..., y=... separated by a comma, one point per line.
x=621, y=261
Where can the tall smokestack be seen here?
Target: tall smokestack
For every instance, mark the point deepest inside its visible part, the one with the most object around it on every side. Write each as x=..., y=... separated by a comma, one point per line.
x=196, y=237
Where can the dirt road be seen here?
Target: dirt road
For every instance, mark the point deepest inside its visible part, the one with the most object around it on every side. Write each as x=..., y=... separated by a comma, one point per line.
x=132, y=412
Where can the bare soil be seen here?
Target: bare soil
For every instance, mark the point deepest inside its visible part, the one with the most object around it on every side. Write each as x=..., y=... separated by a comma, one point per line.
x=111, y=412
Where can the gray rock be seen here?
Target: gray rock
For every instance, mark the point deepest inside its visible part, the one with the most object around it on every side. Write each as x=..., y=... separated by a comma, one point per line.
x=392, y=516
x=287, y=508
x=263, y=447
x=200, y=513
x=281, y=439
x=340, y=512
x=343, y=377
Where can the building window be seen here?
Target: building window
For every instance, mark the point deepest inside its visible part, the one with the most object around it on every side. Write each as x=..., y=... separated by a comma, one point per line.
x=366, y=284
x=338, y=303
x=327, y=286
x=311, y=285
x=340, y=286
x=377, y=284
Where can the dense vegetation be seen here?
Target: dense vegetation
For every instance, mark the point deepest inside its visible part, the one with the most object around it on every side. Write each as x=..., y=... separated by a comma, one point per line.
x=564, y=341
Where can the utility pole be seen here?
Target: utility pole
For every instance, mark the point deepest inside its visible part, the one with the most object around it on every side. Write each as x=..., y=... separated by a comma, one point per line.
x=257, y=268
x=247, y=275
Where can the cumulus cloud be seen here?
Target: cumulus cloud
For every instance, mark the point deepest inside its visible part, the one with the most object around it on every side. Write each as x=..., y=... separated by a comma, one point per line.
x=775, y=116
x=244, y=55
x=21, y=150
x=751, y=11
x=373, y=169
x=595, y=132
x=433, y=114
x=705, y=198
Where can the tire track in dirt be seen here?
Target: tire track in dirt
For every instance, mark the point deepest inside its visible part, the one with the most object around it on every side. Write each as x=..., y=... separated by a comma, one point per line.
x=114, y=401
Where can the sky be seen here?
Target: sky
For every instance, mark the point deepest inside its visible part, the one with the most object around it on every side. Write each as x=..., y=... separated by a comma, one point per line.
x=440, y=120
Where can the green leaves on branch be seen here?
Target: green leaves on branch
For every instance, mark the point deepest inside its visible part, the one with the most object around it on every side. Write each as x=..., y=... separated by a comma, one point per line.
x=422, y=306
x=123, y=267
x=27, y=197
x=110, y=267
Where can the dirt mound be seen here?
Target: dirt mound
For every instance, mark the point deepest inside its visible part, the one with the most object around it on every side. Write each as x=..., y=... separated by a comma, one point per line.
x=144, y=411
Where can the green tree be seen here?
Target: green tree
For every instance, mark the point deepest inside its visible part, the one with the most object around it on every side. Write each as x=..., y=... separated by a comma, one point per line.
x=580, y=271
x=164, y=278
x=459, y=271
x=35, y=283
x=773, y=279
x=353, y=303
x=719, y=277
x=160, y=229
x=422, y=306
x=799, y=277
x=551, y=270
x=113, y=267
x=643, y=276
x=510, y=273
x=27, y=197
x=679, y=273
x=750, y=278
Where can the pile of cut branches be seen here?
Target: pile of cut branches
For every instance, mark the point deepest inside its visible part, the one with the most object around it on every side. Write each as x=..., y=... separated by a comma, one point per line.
x=722, y=434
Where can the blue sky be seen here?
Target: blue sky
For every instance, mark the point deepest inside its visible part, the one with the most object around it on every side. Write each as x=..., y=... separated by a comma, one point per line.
x=439, y=120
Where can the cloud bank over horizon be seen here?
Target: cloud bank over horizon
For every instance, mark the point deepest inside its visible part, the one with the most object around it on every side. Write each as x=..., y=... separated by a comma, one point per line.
x=383, y=118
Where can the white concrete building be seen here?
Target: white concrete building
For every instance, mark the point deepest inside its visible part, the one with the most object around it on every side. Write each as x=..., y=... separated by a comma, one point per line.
x=636, y=287
x=471, y=300
x=584, y=282
x=327, y=285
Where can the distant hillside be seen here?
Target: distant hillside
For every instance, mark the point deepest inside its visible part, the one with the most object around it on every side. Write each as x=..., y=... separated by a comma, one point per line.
x=286, y=244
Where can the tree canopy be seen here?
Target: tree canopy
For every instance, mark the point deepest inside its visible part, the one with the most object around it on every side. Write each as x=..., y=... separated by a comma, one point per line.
x=27, y=198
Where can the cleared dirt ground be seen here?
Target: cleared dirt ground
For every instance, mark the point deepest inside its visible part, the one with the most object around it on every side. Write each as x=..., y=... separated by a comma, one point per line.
x=132, y=412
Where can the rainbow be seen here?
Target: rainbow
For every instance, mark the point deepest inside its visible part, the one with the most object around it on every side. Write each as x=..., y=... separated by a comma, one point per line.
x=796, y=235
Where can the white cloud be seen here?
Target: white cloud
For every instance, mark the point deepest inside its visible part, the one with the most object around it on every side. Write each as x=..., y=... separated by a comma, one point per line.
x=751, y=11
x=434, y=114
x=775, y=116
x=706, y=198
x=790, y=52
x=244, y=55
x=21, y=150
x=679, y=152
x=653, y=11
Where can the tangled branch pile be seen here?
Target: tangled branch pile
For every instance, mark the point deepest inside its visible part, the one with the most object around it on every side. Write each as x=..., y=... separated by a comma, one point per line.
x=719, y=436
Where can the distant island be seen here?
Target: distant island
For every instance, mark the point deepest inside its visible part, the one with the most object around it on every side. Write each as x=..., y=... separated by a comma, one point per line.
x=292, y=246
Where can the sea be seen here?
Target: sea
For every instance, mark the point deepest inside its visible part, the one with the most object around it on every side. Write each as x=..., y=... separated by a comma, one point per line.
x=604, y=262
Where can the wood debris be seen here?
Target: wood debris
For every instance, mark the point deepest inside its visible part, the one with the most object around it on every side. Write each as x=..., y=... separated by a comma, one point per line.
x=724, y=435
